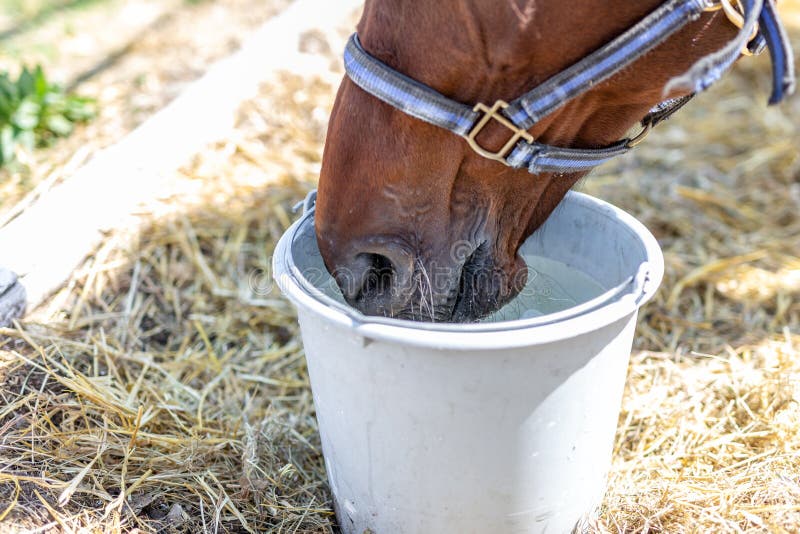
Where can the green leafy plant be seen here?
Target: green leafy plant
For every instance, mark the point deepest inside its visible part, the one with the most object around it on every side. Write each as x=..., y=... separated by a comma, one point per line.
x=34, y=111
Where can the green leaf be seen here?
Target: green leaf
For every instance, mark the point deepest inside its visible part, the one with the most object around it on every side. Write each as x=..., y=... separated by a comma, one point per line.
x=80, y=109
x=6, y=143
x=59, y=125
x=34, y=111
x=26, y=85
x=5, y=109
x=26, y=116
x=40, y=82
x=7, y=86
x=52, y=100
x=26, y=139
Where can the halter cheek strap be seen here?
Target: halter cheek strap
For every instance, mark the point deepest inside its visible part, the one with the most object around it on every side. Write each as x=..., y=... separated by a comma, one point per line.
x=780, y=53
x=521, y=150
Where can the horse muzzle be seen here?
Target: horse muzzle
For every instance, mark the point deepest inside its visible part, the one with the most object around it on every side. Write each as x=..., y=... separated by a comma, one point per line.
x=382, y=276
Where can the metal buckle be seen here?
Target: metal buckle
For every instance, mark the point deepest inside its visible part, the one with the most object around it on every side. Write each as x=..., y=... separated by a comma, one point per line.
x=489, y=114
x=638, y=138
x=735, y=14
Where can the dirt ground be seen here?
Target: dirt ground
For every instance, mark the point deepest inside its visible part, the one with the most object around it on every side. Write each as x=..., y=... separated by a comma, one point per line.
x=164, y=389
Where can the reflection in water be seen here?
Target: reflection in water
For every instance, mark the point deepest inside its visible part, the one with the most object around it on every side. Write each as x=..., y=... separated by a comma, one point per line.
x=552, y=287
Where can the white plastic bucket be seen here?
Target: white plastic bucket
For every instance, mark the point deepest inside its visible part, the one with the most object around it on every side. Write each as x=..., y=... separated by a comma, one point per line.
x=475, y=428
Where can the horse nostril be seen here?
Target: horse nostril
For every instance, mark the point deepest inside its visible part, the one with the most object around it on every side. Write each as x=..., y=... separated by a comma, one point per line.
x=379, y=275
x=377, y=278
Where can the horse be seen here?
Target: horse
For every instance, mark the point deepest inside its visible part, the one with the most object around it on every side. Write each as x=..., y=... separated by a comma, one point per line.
x=415, y=223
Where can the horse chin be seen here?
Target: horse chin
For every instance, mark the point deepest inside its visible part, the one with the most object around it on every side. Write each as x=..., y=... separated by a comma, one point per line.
x=482, y=288
x=483, y=292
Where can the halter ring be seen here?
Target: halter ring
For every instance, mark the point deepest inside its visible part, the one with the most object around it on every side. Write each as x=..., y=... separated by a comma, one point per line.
x=638, y=138
x=489, y=114
x=735, y=14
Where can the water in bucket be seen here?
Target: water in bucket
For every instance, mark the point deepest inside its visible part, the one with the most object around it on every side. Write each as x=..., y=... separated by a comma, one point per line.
x=552, y=286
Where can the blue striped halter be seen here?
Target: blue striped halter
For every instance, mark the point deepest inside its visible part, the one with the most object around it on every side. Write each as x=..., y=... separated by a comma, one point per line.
x=759, y=28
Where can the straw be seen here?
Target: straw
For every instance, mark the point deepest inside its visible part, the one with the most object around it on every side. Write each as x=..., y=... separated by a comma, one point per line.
x=164, y=389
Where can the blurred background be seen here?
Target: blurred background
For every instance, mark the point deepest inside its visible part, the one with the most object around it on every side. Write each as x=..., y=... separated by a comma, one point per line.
x=128, y=58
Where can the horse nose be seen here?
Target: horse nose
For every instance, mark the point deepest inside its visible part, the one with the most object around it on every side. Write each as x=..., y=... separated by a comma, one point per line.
x=376, y=278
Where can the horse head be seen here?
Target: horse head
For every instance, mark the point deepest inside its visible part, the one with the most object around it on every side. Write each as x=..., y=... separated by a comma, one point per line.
x=414, y=223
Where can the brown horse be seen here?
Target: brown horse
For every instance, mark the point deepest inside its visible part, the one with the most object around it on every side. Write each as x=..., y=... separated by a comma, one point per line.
x=423, y=227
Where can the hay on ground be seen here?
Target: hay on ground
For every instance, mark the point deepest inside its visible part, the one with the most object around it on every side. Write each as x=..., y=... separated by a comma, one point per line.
x=164, y=388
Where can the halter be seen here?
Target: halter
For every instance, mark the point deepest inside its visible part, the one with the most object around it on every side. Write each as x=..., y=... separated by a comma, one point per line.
x=759, y=27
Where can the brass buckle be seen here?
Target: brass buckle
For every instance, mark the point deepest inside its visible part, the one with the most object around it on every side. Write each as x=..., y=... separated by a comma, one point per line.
x=735, y=14
x=638, y=138
x=489, y=114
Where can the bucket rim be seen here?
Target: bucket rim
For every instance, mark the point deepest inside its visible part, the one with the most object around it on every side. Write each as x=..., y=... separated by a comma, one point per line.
x=613, y=305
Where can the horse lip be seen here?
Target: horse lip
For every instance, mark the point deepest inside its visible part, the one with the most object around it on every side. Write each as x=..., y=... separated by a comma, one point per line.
x=458, y=313
x=466, y=307
x=447, y=311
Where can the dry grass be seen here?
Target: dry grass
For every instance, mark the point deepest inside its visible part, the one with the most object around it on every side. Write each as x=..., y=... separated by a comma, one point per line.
x=709, y=435
x=164, y=388
x=709, y=442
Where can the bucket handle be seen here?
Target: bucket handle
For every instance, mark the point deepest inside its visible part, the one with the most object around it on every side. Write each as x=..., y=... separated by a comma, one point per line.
x=641, y=282
x=307, y=203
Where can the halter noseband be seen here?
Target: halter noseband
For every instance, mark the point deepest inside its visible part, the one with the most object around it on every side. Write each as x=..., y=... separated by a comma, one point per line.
x=758, y=25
